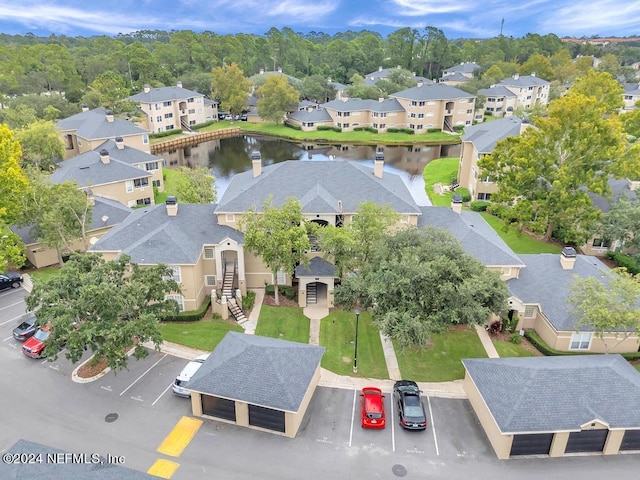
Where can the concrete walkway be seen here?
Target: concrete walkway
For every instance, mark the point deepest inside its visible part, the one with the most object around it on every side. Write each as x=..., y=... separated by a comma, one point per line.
x=252, y=322
x=315, y=313
x=486, y=342
x=390, y=358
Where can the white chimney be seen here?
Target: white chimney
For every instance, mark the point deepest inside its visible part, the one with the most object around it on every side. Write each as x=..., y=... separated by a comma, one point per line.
x=378, y=168
x=147, y=88
x=419, y=84
x=279, y=69
x=634, y=185
x=179, y=84
x=119, y=143
x=380, y=99
x=568, y=258
x=257, y=167
x=262, y=71
x=85, y=107
x=516, y=76
x=398, y=67
x=172, y=205
x=380, y=68
x=109, y=115
x=456, y=203
x=328, y=79
x=533, y=74
x=104, y=156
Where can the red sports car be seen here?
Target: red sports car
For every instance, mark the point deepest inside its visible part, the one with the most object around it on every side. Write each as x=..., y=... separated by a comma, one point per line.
x=372, y=408
x=34, y=346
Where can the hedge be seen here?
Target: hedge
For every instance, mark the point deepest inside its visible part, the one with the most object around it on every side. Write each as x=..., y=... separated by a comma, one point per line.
x=623, y=260
x=294, y=127
x=285, y=290
x=166, y=133
x=192, y=315
x=545, y=349
x=248, y=301
x=464, y=193
x=200, y=126
x=479, y=205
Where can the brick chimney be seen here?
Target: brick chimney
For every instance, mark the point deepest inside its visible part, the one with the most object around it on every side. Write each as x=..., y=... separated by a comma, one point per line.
x=172, y=205
x=568, y=258
x=146, y=88
x=109, y=114
x=378, y=167
x=104, y=156
x=456, y=203
x=119, y=143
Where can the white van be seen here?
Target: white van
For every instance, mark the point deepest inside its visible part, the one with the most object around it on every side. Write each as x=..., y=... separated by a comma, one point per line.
x=186, y=374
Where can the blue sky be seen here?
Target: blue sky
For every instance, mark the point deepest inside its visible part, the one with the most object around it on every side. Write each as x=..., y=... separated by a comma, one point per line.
x=457, y=18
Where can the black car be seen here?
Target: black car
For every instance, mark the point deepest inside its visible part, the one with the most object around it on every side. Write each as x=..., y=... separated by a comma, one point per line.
x=26, y=328
x=10, y=280
x=410, y=407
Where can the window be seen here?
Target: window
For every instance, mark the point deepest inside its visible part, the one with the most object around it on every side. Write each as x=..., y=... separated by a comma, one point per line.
x=375, y=125
x=383, y=115
x=166, y=104
x=209, y=253
x=191, y=111
x=177, y=274
x=159, y=118
x=529, y=311
x=282, y=277
x=383, y=125
x=487, y=179
x=143, y=201
x=345, y=125
x=601, y=243
x=157, y=183
x=421, y=104
x=419, y=127
x=179, y=299
x=190, y=100
x=375, y=114
x=412, y=115
x=170, y=127
x=484, y=196
x=141, y=182
x=469, y=111
x=231, y=217
x=129, y=186
x=151, y=166
x=168, y=115
x=530, y=88
x=414, y=103
x=491, y=99
x=412, y=126
x=421, y=115
x=467, y=122
x=580, y=341
x=145, y=139
x=210, y=280
x=157, y=106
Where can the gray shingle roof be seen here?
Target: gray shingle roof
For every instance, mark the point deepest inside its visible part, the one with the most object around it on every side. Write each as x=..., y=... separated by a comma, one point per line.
x=164, y=94
x=358, y=104
x=290, y=78
x=546, y=394
x=87, y=169
x=485, y=135
x=524, y=81
x=259, y=370
x=619, y=188
x=67, y=470
x=321, y=187
x=546, y=283
x=150, y=236
x=474, y=233
x=454, y=77
x=93, y=124
x=496, y=91
x=433, y=91
x=315, y=115
x=466, y=67
x=104, y=207
x=318, y=267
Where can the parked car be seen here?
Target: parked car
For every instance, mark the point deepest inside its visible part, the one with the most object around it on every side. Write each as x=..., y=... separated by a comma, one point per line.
x=10, y=280
x=410, y=406
x=372, y=408
x=243, y=117
x=34, y=346
x=228, y=117
x=26, y=328
x=186, y=374
x=221, y=115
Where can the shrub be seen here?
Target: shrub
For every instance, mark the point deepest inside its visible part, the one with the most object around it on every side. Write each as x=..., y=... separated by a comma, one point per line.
x=371, y=129
x=433, y=130
x=285, y=290
x=358, y=129
x=336, y=129
x=294, y=127
x=458, y=128
x=166, y=133
x=192, y=315
x=200, y=126
x=624, y=260
x=324, y=127
x=464, y=193
x=488, y=114
x=515, y=338
x=479, y=205
x=248, y=300
x=545, y=349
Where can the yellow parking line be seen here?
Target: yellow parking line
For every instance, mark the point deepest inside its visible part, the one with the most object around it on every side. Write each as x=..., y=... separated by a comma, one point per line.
x=180, y=436
x=163, y=468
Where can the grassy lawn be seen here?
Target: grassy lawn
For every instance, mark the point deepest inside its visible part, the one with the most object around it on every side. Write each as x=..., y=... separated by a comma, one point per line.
x=440, y=362
x=203, y=335
x=337, y=334
x=171, y=179
x=509, y=349
x=637, y=367
x=154, y=141
x=518, y=241
x=441, y=170
x=286, y=323
x=352, y=137
x=44, y=274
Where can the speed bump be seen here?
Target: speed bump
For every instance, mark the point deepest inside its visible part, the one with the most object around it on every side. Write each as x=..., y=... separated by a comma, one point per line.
x=180, y=436
x=163, y=468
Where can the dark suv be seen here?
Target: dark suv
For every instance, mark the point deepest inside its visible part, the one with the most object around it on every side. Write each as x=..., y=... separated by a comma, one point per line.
x=410, y=407
x=10, y=280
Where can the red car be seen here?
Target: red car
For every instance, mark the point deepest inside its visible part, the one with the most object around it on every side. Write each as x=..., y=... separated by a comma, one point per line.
x=372, y=408
x=35, y=345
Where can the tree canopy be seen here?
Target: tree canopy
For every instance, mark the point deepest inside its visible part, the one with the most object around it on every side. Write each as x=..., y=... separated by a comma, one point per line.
x=104, y=306
x=41, y=144
x=275, y=98
x=196, y=185
x=418, y=282
x=278, y=236
x=230, y=86
x=611, y=309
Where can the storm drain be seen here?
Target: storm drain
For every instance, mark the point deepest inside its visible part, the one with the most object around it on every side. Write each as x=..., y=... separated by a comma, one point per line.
x=399, y=470
x=111, y=417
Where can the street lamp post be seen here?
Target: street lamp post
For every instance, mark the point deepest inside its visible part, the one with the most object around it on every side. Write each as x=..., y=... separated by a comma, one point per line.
x=355, y=351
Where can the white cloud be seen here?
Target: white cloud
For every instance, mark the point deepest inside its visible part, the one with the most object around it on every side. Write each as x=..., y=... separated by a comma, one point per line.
x=416, y=8
x=618, y=17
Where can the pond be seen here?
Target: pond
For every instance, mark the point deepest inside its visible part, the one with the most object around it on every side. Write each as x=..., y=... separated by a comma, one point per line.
x=228, y=156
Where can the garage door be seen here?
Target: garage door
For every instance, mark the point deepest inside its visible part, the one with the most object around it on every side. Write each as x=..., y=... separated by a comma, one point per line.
x=532, y=444
x=266, y=418
x=219, y=407
x=587, y=441
x=631, y=440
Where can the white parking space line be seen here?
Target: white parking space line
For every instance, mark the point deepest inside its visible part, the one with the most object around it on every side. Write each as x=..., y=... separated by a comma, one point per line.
x=353, y=415
x=11, y=319
x=8, y=338
x=393, y=430
x=148, y=370
x=160, y=396
x=433, y=426
x=12, y=305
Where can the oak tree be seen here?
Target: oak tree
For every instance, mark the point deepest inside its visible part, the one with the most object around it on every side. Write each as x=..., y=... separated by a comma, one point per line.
x=275, y=98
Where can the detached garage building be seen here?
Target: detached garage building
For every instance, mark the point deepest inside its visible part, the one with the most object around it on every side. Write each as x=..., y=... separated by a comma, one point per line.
x=257, y=382
x=556, y=406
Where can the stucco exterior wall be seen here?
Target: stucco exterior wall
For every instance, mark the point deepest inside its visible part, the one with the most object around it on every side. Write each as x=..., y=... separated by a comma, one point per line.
x=118, y=191
x=294, y=420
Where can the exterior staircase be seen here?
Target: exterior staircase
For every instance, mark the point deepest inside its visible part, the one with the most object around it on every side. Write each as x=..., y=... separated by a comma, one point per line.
x=228, y=291
x=235, y=310
x=185, y=126
x=312, y=293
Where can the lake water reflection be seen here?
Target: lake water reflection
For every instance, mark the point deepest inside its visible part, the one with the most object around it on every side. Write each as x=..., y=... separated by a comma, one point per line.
x=229, y=156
